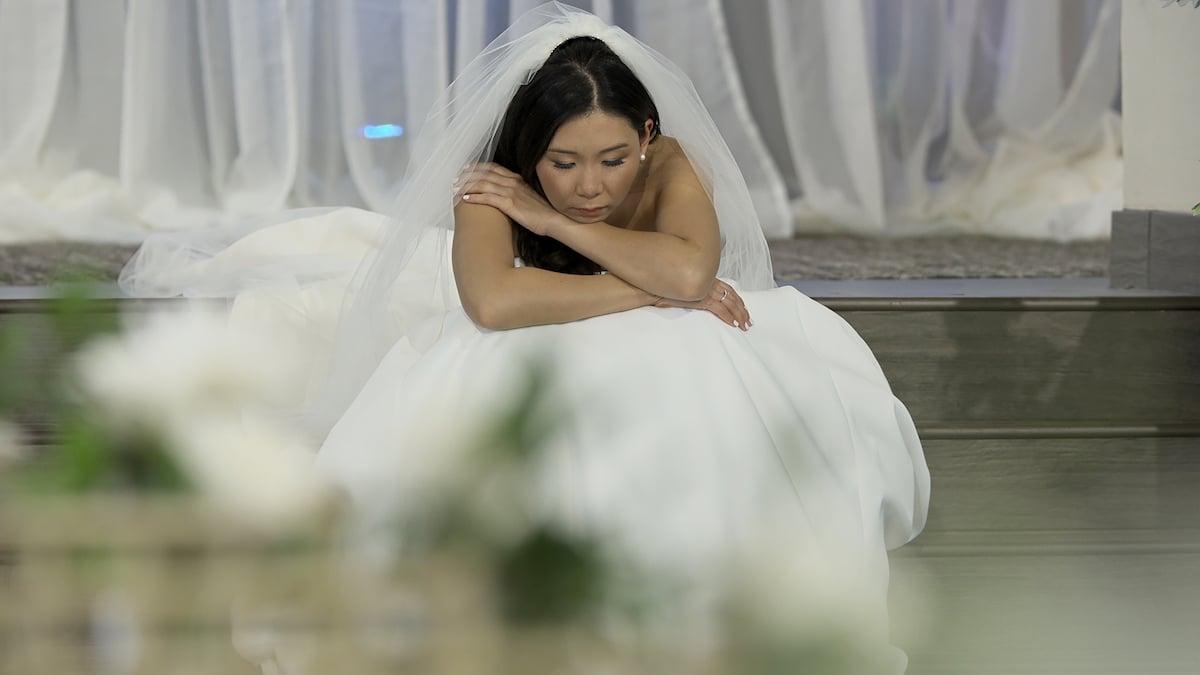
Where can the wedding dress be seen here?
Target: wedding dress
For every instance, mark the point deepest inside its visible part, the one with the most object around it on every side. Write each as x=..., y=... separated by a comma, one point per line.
x=682, y=442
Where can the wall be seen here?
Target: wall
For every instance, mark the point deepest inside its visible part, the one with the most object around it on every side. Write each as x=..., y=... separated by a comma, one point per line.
x=1160, y=70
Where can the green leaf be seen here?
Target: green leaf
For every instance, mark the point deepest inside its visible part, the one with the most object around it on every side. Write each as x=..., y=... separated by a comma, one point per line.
x=548, y=578
x=14, y=347
x=530, y=420
x=76, y=464
x=1196, y=208
x=79, y=316
x=88, y=457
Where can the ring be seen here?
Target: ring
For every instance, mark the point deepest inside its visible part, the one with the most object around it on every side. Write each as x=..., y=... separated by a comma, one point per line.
x=724, y=294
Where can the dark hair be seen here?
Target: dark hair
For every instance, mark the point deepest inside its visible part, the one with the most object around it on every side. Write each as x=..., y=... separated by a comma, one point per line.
x=580, y=76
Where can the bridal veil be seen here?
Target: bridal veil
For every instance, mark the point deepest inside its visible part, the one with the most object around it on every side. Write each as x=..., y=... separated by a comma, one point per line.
x=360, y=281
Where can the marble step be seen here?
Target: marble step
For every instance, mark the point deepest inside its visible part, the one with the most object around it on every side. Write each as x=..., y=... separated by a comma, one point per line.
x=970, y=358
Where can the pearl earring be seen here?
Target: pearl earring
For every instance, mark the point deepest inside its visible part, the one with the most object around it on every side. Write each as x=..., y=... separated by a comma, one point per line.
x=643, y=156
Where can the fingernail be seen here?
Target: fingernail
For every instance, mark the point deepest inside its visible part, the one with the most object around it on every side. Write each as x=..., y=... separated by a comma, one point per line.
x=466, y=198
x=735, y=323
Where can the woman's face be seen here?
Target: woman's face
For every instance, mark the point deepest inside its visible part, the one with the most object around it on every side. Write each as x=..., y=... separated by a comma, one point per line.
x=590, y=165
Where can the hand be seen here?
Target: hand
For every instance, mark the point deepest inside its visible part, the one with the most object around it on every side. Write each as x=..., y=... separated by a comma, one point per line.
x=722, y=301
x=493, y=185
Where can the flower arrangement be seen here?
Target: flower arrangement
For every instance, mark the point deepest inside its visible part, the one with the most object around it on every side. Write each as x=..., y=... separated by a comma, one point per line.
x=176, y=507
x=161, y=494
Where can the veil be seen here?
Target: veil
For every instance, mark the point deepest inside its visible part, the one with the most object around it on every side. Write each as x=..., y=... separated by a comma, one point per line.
x=402, y=285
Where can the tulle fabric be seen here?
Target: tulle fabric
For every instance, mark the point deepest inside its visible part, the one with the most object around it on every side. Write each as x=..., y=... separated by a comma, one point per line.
x=386, y=292
x=688, y=445
x=694, y=453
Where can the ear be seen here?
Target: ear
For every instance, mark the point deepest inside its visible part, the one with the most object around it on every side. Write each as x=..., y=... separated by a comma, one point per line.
x=647, y=129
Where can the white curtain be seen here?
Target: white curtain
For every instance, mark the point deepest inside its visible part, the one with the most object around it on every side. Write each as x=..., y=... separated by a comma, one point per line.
x=122, y=117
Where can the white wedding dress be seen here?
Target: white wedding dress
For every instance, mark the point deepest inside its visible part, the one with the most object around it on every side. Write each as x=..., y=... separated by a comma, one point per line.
x=671, y=428
x=687, y=446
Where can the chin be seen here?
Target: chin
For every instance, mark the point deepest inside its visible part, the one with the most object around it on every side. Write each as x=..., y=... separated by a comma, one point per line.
x=580, y=218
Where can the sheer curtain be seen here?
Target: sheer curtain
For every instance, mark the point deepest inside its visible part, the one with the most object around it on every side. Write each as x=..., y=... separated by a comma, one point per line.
x=122, y=117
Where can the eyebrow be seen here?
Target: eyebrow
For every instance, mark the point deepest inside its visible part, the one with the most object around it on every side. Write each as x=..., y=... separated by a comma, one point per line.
x=572, y=152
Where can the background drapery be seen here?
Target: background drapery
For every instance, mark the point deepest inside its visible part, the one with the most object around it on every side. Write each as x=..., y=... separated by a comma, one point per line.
x=122, y=117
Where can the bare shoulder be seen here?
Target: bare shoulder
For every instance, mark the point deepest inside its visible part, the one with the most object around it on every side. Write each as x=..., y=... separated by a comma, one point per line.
x=671, y=166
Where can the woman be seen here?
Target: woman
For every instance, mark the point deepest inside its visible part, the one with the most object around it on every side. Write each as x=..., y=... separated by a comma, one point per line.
x=698, y=415
x=585, y=186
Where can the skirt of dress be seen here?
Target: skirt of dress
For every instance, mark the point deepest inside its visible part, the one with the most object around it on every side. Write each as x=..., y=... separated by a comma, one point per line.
x=687, y=446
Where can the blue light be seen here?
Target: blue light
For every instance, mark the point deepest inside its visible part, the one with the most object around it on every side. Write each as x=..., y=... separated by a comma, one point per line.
x=382, y=131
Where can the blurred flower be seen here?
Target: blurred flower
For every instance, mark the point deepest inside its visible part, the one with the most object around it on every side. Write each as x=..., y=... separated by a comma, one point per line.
x=816, y=609
x=171, y=365
x=252, y=467
x=210, y=393
x=504, y=504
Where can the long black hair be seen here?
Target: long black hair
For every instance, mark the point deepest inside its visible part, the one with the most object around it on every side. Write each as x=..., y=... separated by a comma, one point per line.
x=580, y=76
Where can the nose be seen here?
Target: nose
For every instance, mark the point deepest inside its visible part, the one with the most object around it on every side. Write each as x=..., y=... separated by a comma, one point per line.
x=589, y=185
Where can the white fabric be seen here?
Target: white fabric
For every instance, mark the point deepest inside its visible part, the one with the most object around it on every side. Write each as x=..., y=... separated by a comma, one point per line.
x=390, y=293
x=975, y=115
x=688, y=447
x=691, y=445
x=123, y=117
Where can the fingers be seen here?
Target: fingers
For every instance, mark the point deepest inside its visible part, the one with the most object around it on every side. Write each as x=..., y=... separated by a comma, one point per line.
x=729, y=306
x=486, y=175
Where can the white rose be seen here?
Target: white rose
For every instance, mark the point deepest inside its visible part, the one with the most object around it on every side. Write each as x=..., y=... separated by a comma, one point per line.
x=253, y=468
x=169, y=365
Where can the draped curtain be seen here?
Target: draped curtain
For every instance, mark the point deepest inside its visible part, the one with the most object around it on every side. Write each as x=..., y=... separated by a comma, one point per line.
x=122, y=117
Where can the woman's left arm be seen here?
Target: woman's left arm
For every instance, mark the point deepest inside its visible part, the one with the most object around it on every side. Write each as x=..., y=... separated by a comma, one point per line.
x=679, y=260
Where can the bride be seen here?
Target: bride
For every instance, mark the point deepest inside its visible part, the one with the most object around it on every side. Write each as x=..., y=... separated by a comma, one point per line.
x=603, y=237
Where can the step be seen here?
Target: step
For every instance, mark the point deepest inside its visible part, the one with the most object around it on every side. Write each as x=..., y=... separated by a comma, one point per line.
x=977, y=358
x=1061, y=424
x=1059, y=421
x=987, y=358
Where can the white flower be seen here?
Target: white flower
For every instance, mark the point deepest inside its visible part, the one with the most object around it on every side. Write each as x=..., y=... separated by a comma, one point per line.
x=170, y=365
x=206, y=390
x=253, y=468
x=812, y=604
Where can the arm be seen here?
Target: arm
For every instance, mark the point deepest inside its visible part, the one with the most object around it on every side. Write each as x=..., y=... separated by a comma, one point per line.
x=497, y=295
x=679, y=260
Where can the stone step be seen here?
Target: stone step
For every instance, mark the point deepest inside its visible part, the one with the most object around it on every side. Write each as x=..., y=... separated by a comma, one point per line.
x=971, y=358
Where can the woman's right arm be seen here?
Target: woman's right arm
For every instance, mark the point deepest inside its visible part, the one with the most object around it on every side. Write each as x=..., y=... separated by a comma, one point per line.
x=498, y=295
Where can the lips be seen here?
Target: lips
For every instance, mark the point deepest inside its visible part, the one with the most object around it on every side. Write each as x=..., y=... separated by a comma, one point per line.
x=590, y=212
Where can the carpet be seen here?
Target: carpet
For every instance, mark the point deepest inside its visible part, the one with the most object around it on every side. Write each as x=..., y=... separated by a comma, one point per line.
x=810, y=257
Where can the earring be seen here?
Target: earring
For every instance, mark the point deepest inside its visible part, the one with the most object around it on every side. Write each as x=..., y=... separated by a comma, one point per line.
x=643, y=156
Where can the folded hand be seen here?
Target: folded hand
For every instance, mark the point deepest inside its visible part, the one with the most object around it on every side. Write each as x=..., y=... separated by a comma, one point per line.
x=722, y=301
x=491, y=184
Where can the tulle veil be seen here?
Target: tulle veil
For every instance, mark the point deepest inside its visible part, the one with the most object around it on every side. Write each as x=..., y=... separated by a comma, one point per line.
x=390, y=274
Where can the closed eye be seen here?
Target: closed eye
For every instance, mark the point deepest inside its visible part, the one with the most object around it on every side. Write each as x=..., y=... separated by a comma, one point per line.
x=570, y=165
